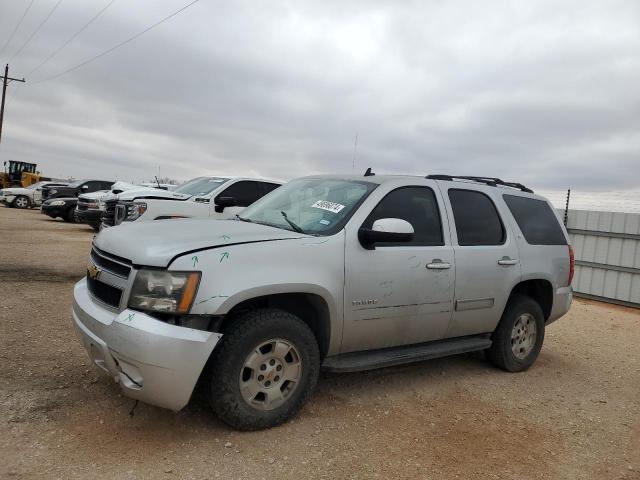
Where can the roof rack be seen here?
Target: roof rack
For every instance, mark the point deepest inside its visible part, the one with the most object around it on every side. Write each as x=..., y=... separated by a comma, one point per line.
x=491, y=181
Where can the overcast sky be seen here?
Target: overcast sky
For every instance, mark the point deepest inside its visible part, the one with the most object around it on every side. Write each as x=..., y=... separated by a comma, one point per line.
x=545, y=93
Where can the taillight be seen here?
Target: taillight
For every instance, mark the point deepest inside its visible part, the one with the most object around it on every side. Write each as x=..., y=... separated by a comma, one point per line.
x=572, y=265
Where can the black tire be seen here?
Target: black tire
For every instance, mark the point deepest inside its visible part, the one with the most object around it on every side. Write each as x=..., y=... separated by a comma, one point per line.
x=500, y=353
x=70, y=215
x=22, y=202
x=242, y=336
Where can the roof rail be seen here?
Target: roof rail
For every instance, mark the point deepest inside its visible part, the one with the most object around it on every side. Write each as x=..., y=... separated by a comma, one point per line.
x=491, y=181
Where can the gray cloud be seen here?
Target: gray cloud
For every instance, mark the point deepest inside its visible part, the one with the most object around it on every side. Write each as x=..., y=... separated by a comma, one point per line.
x=543, y=93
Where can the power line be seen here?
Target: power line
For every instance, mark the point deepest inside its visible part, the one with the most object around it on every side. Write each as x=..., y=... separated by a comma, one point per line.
x=17, y=26
x=55, y=7
x=71, y=38
x=82, y=64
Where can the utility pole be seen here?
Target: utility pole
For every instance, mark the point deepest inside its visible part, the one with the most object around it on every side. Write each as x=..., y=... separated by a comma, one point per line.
x=5, y=81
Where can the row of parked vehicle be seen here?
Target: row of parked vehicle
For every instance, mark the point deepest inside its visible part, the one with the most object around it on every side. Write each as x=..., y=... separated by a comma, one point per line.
x=101, y=203
x=342, y=273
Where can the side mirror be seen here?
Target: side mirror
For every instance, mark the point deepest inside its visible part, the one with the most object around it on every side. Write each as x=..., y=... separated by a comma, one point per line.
x=224, y=202
x=385, y=230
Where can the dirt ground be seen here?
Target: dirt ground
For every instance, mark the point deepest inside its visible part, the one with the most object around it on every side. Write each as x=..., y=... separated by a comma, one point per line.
x=574, y=415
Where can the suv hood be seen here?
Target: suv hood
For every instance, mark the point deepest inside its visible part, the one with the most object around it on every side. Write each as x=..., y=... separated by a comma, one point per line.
x=157, y=243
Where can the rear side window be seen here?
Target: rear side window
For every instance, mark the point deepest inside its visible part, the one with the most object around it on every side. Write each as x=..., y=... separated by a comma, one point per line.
x=416, y=205
x=477, y=220
x=245, y=192
x=536, y=220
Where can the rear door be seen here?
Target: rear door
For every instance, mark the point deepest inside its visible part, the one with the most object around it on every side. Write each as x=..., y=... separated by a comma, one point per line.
x=486, y=253
x=398, y=293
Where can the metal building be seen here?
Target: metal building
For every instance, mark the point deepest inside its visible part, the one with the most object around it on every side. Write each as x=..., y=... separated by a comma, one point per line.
x=607, y=253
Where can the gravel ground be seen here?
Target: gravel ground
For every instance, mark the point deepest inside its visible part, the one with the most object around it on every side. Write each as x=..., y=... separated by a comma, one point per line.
x=575, y=414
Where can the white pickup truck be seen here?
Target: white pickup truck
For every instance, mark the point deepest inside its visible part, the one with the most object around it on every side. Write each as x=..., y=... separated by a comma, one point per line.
x=219, y=197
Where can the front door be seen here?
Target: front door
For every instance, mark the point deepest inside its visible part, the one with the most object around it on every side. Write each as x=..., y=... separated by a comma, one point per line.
x=399, y=294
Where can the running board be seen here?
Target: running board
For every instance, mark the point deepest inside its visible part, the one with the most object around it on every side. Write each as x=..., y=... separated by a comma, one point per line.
x=388, y=357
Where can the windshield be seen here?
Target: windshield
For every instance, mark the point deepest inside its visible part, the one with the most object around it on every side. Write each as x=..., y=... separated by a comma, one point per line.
x=76, y=184
x=33, y=186
x=200, y=186
x=314, y=205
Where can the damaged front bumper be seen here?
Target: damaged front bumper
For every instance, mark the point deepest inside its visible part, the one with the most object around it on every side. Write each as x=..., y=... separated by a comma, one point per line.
x=152, y=361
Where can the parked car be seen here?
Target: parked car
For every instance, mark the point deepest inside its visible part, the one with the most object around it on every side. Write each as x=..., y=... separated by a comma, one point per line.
x=215, y=197
x=26, y=197
x=343, y=273
x=75, y=188
x=90, y=206
x=63, y=208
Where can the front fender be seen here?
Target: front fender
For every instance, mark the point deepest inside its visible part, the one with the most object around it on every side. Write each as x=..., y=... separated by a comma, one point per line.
x=232, y=274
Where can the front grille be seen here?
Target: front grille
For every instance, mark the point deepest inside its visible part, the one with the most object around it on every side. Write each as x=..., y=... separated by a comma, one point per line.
x=105, y=293
x=109, y=215
x=110, y=263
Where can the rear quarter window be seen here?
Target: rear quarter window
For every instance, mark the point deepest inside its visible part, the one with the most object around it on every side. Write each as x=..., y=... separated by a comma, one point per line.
x=536, y=220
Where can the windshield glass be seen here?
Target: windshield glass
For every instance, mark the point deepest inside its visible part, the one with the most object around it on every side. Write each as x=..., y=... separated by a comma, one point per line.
x=200, y=186
x=35, y=185
x=76, y=184
x=314, y=205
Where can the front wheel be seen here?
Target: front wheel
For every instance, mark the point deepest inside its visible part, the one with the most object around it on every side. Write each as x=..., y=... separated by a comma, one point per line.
x=518, y=338
x=21, y=202
x=264, y=369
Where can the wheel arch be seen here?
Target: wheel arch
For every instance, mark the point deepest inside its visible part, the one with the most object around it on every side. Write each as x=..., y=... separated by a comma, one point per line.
x=311, y=308
x=540, y=290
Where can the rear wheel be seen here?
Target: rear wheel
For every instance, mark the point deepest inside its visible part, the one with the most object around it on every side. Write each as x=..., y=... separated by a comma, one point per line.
x=518, y=339
x=264, y=369
x=22, y=202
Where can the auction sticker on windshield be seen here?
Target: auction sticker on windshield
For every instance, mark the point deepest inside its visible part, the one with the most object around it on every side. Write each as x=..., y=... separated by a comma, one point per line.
x=329, y=206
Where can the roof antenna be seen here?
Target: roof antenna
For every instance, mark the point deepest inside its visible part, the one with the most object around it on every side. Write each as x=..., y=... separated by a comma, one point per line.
x=355, y=147
x=369, y=173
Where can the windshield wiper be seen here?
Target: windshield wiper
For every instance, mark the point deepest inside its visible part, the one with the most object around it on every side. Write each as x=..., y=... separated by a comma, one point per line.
x=243, y=219
x=291, y=222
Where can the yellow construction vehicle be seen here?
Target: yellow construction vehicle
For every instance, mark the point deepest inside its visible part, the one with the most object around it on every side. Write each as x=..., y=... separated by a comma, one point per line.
x=19, y=174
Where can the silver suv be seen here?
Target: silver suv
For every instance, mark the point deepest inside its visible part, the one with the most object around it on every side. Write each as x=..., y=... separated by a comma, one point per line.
x=343, y=273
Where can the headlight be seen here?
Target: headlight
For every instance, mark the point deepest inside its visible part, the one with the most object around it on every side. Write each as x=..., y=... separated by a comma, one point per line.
x=135, y=210
x=53, y=192
x=164, y=291
x=57, y=203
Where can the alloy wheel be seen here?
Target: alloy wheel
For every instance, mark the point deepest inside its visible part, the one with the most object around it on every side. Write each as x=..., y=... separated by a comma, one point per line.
x=523, y=336
x=270, y=374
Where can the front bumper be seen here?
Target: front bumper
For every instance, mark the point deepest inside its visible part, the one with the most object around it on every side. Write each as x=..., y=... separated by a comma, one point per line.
x=54, y=211
x=7, y=199
x=90, y=217
x=152, y=361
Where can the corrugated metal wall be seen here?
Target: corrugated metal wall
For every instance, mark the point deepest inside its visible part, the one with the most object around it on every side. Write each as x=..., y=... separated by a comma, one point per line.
x=607, y=252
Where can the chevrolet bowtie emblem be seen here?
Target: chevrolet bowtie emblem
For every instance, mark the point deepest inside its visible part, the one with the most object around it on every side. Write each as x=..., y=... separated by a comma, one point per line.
x=93, y=270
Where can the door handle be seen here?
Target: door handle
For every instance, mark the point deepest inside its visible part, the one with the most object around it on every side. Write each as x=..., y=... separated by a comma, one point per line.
x=507, y=261
x=437, y=264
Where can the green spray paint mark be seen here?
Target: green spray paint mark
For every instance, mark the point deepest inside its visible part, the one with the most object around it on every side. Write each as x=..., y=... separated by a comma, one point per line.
x=223, y=256
x=130, y=316
x=225, y=237
x=195, y=260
